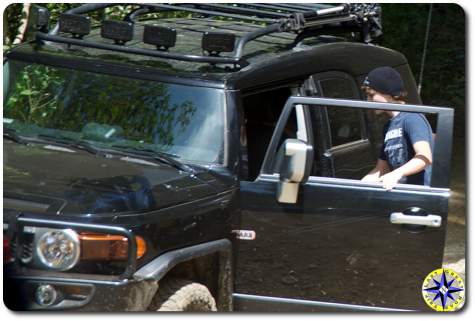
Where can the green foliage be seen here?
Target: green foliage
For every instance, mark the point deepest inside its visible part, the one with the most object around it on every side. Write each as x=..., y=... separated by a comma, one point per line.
x=12, y=17
x=57, y=8
x=56, y=98
x=118, y=12
x=32, y=98
x=444, y=73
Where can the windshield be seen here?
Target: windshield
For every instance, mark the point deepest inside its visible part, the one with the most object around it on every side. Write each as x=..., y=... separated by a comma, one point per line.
x=110, y=111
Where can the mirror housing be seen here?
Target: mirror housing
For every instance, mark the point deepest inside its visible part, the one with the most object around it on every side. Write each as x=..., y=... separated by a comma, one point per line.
x=294, y=162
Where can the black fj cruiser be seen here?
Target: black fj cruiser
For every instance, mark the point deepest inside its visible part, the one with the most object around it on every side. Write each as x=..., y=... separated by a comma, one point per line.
x=210, y=159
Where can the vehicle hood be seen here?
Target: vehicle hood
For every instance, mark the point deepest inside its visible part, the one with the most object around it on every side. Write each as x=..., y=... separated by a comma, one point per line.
x=47, y=179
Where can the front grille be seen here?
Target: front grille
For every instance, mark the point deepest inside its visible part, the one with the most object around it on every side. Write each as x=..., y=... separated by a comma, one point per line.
x=27, y=251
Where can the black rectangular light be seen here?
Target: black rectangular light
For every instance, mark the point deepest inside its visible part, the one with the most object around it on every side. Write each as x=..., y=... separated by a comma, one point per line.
x=119, y=31
x=77, y=25
x=40, y=17
x=216, y=42
x=162, y=37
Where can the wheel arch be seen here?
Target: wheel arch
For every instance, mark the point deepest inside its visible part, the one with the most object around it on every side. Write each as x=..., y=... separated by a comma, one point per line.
x=193, y=262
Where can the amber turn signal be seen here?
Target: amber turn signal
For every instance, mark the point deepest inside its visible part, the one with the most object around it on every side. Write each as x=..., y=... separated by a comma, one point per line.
x=108, y=247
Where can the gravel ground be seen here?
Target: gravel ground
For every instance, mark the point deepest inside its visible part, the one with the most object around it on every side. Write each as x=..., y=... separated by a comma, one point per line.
x=454, y=255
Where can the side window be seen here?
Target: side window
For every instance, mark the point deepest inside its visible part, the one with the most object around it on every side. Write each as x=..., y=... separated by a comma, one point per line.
x=261, y=112
x=345, y=127
x=344, y=146
x=337, y=88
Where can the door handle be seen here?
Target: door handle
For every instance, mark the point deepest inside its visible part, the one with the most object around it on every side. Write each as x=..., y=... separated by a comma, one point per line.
x=428, y=220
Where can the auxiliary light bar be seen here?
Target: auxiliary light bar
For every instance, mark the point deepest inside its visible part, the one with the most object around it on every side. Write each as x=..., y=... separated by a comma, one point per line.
x=119, y=31
x=216, y=42
x=77, y=25
x=161, y=37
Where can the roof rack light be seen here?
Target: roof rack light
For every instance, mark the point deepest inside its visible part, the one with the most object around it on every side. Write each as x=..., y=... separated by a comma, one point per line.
x=39, y=16
x=304, y=20
x=162, y=37
x=216, y=42
x=77, y=25
x=119, y=31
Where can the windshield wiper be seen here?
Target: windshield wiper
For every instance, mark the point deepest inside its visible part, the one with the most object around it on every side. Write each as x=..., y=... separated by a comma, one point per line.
x=70, y=142
x=12, y=134
x=150, y=153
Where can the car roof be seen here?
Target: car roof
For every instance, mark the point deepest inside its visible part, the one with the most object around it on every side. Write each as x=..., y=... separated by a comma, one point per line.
x=271, y=58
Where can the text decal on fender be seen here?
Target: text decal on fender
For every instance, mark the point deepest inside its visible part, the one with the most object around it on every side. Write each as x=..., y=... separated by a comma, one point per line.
x=244, y=234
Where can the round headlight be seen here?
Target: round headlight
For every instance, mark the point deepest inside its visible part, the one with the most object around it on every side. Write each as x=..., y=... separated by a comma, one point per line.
x=58, y=249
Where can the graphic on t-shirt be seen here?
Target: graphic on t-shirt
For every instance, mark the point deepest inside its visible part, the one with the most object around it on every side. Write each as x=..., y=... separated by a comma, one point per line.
x=395, y=133
x=400, y=134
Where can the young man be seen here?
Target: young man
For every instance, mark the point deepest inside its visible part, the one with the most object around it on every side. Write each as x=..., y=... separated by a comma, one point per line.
x=406, y=153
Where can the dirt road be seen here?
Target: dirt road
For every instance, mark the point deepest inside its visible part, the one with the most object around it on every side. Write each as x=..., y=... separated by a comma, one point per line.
x=455, y=243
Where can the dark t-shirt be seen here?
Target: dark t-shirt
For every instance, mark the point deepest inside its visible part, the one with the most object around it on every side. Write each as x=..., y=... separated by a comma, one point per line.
x=400, y=134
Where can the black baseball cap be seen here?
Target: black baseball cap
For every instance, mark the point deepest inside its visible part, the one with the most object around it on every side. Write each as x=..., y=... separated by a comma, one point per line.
x=385, y=80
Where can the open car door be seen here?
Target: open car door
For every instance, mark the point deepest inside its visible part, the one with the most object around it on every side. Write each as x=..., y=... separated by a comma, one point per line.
x=331, y=244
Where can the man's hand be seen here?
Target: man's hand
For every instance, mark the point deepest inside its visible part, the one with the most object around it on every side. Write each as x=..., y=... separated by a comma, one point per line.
x=421, y=160
x=390, y=179
x=374, y=175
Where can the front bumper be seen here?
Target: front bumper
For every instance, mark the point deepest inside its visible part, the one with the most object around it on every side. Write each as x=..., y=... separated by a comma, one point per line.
x=78, y=292
x=73, y=291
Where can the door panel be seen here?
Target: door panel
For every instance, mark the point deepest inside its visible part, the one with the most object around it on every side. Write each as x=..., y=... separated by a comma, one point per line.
x=337, y=244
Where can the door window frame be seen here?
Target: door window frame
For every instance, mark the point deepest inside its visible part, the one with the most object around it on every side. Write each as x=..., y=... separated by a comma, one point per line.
x=442, y=146
x=304, y=130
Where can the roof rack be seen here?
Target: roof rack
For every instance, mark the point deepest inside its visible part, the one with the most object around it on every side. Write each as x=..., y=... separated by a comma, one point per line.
x=305, y=20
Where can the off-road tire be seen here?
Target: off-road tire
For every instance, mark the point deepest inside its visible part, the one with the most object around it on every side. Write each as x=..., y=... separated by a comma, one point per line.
x=182, y=295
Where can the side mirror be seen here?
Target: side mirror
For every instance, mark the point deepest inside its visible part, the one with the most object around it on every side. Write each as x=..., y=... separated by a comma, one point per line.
x=294, y=162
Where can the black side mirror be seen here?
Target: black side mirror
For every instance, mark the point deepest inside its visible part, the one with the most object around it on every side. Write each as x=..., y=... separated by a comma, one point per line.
x=294, y=162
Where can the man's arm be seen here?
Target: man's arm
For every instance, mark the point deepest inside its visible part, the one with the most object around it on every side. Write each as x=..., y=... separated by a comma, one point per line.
x=421, y=159
x=380, y=169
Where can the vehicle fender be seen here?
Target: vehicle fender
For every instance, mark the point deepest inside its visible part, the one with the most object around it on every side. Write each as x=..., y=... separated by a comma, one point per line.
x=160, y=266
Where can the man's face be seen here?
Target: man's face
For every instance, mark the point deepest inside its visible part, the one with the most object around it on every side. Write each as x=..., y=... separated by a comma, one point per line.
x=377, y=97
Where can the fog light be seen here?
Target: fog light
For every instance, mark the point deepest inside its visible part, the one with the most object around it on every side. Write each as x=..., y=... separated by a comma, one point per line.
x=58, y=249
x=46, y=295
